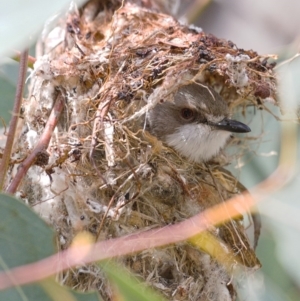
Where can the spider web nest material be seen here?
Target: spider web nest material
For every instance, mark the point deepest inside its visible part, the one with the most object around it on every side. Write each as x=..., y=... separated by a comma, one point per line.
x=105, y=174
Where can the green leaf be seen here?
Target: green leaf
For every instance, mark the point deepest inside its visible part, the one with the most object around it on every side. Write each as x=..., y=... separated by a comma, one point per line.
x=47, y=290
x=129, y=287
x=26, y=238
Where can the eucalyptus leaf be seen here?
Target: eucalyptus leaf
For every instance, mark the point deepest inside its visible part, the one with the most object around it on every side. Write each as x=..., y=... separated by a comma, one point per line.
x=129, y=287
x=26, y=238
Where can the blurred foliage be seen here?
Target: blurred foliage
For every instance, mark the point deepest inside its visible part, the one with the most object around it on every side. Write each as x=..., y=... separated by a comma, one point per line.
x=26, y=238
x=129, y=288
x=21, y=21
x=8, y=77
x=18, y=221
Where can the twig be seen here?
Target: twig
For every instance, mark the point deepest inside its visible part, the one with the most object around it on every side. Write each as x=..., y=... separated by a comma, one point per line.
x=30, y=61
x=14, y=120
x=42, y=144
x=98, y=123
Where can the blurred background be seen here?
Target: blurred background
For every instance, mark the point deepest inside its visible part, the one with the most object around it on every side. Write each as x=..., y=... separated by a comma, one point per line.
x=268, y=27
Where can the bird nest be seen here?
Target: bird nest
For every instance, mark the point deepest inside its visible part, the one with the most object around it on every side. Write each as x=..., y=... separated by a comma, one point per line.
x=104, y=173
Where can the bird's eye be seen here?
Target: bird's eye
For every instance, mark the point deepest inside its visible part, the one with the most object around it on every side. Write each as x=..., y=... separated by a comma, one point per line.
x=187, y=114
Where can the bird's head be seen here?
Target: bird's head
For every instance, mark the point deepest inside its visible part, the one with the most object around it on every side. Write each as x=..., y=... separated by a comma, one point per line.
x=196, y=124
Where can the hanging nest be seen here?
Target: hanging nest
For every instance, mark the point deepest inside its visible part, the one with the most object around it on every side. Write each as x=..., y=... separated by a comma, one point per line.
x=104, y=173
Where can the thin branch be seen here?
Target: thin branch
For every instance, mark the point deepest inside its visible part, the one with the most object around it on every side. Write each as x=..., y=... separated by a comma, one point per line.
x=30, y=61
x=41, y=146
x=15, y=117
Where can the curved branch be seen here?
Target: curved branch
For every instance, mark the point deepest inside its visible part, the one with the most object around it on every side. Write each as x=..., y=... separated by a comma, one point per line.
x=41, y=146
x=15, y=117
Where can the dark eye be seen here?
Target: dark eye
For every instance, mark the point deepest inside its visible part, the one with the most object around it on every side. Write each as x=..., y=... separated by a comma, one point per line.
x=187, y=114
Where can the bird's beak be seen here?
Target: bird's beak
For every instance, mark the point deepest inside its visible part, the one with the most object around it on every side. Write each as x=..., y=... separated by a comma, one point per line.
x=232, y=126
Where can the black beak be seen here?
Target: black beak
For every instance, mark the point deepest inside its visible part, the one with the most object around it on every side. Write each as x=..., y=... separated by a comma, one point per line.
x=232, y=126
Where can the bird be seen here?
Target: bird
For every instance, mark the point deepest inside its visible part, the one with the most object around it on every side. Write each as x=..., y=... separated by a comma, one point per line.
x=196, y=124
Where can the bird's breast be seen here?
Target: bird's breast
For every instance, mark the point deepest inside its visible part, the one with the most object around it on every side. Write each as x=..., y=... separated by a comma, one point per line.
x=197, y=142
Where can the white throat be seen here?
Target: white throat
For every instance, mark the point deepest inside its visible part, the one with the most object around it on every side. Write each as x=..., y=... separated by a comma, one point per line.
x=197, y=142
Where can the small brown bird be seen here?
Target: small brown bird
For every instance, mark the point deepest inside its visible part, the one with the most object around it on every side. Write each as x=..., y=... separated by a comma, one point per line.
x=196, y=124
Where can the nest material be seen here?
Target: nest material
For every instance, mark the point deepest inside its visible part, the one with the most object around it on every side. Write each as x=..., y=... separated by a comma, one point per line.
x=114, y=64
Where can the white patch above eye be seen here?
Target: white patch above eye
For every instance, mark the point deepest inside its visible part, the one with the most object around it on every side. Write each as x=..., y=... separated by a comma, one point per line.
x=214, y=119
x=186, y=94
x=189, y=100
x=197, y=142
x=202, y=106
